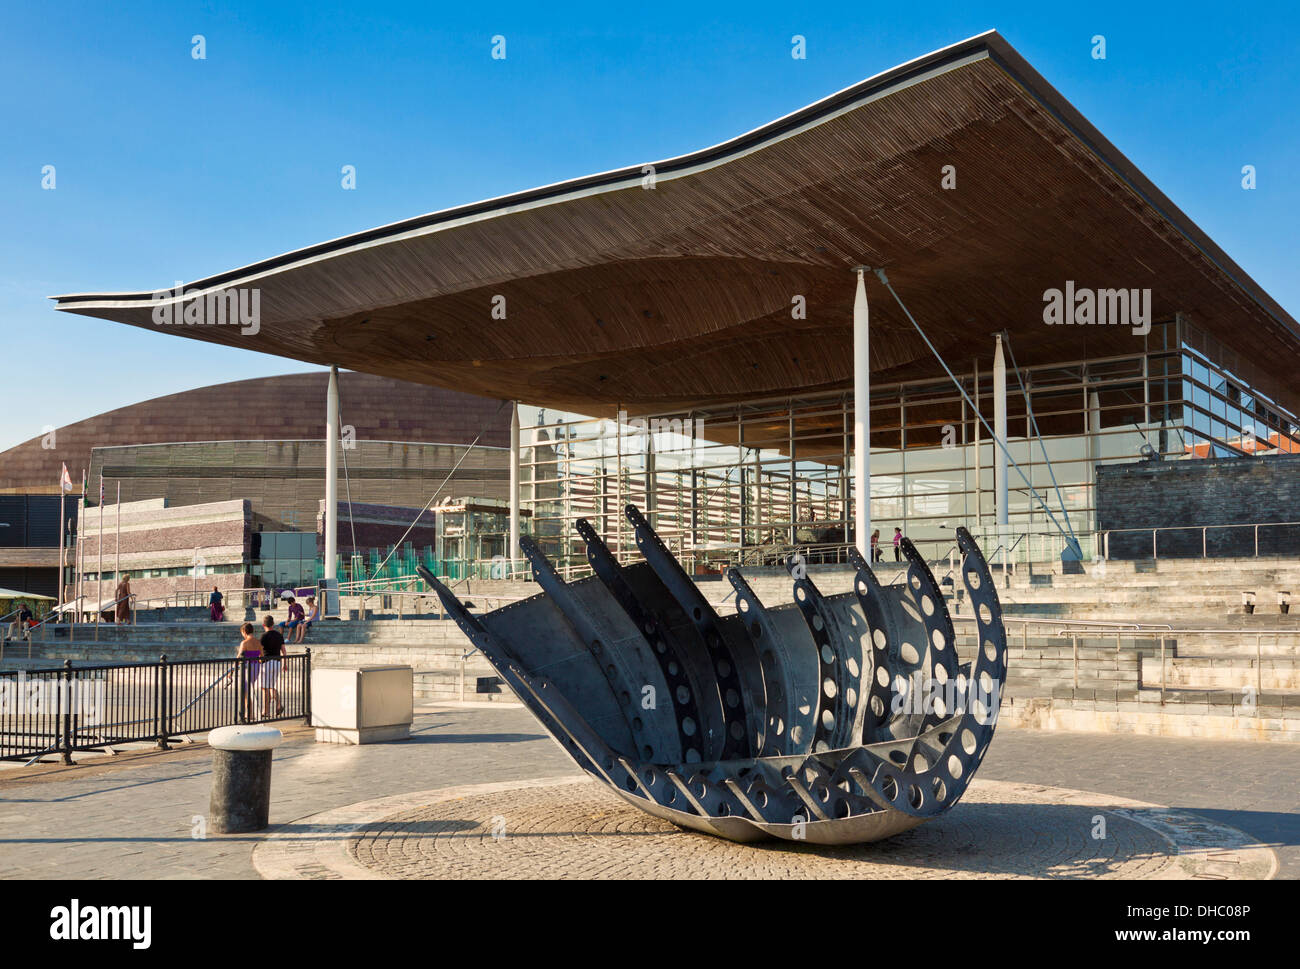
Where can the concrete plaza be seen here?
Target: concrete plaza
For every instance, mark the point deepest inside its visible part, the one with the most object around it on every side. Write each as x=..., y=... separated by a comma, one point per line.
x=136, y=815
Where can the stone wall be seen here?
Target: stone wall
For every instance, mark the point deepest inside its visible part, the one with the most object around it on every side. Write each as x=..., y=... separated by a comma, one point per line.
x=155, y=536
x=1190, y=494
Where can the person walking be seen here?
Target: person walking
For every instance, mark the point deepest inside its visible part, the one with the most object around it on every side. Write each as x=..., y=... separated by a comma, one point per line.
x=122, y=596
x=898, y=548
x=272, y=653
x=250, y=650
x=875, y=546
x=216, y=608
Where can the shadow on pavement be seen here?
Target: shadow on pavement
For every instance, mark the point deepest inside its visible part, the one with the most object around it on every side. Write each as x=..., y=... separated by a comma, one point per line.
x=1270, y=827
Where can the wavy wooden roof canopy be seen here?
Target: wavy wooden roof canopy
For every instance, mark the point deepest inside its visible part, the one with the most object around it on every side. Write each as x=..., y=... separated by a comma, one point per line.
x=680, y=296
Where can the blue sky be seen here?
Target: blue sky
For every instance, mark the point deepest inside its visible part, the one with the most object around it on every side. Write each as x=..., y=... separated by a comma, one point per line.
x=171, y=168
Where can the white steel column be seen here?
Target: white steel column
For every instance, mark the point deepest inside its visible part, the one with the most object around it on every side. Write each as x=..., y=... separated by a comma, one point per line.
x=1000, y=431
x=513, y=552
x=1094, y=449
x=861, y=419
x=979, y=453
x=329, y=585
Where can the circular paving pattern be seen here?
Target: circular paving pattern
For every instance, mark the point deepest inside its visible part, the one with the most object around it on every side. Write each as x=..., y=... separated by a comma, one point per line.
x=575, y=828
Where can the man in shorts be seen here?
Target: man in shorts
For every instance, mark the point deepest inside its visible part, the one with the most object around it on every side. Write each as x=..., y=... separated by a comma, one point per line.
x=295, y=619
x=272, y=653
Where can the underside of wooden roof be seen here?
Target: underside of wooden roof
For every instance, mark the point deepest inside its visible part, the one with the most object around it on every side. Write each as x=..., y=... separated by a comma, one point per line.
x=682, y=294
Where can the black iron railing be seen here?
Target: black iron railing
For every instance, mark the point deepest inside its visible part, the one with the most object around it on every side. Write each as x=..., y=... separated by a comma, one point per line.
x=89, y=707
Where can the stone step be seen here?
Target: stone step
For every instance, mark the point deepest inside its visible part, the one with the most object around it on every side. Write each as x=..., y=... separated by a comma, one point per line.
x=1226, y=673
x=1107, y=715
x=447, y=685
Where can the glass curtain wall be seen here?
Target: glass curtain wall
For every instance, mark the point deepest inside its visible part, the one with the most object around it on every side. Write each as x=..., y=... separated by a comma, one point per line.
x=748, y=482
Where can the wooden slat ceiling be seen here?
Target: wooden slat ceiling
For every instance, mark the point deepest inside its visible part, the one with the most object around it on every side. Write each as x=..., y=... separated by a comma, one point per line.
x=681, y=296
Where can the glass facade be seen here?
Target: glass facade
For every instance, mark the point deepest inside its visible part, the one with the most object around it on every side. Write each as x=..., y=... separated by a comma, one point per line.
x=745, y=482
x=284, y=560
x=470, y=542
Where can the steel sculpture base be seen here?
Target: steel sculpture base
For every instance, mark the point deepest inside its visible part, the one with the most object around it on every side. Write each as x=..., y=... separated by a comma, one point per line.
x=831, y=719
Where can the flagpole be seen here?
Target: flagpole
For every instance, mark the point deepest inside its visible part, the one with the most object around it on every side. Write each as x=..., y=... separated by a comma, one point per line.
x=99, y=578
x=80, y=557
x=63, y=546
x=117, y=542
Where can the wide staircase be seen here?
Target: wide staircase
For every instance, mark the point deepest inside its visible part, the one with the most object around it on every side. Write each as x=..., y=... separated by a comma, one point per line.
x=1161, y=647
x=1187, y=592
x=445, y=663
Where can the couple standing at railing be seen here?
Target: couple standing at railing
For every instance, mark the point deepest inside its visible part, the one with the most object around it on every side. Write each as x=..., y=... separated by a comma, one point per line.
x=263, y=658
x=875, y=545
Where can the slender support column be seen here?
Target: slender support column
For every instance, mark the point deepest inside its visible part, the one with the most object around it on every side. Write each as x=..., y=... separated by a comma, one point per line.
x=745, y=499
x=512, y=553
x=651, y=482
x=1000, y=430
x=844, y=467
x=861, y=418
x=1094, y=448
x=330, y=583
x=979, y=453
x=794, y=479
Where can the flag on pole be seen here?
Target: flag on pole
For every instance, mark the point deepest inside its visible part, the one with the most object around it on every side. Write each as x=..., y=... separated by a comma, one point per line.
x=65, y=482
x=85, y=498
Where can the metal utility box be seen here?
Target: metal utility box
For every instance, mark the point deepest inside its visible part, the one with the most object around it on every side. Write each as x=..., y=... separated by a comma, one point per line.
x=362, y=704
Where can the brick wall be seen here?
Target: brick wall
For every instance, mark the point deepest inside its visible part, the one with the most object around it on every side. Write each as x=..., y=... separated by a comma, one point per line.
x=158, y=537
x=1192, y=494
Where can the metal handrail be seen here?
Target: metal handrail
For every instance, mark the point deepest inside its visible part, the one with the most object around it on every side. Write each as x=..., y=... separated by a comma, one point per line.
x=51, y=619
x=22, y=633
x=484, y=596
x=367, y=585
x=181, y=598
x=1256, y=526
x=1164, y=635
x=1097, y=623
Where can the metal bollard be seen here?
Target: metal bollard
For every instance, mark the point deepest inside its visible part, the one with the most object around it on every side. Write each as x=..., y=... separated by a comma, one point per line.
x=241, y=778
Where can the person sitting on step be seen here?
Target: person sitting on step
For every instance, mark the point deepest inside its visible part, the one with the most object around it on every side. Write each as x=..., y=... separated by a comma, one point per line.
x=296, y=617
x=313, y=613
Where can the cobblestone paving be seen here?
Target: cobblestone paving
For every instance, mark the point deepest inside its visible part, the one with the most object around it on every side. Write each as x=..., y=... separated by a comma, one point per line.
x=1249, y=785
x=582, y=831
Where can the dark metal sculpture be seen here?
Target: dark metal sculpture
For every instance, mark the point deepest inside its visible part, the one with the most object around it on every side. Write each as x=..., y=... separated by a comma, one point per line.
x=832, y=719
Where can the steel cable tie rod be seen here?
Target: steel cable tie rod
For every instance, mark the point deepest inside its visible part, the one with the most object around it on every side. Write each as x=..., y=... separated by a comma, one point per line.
x=880, y=274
